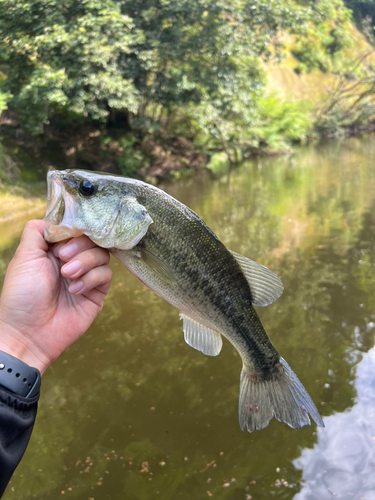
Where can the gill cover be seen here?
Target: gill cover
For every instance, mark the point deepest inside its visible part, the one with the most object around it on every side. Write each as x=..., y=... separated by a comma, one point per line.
x=126, y=229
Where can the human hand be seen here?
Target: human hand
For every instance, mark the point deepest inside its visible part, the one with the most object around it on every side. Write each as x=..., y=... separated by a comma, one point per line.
x=41, y=311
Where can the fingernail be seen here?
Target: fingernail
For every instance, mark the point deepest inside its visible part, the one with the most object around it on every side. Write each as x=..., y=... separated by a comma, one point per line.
x=68, y=251
x=76, y=287
x=72, y=268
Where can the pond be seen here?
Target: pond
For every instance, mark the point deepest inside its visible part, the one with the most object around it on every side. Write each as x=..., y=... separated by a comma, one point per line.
x=132, y=412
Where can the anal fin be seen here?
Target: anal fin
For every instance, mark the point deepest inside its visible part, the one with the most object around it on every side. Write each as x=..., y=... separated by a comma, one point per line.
x=200, y=337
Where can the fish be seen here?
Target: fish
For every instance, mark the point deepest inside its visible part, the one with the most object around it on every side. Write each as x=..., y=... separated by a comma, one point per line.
x=170, y=249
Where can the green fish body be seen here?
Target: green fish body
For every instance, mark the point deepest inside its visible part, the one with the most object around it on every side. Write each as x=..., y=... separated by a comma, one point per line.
x=172, y=251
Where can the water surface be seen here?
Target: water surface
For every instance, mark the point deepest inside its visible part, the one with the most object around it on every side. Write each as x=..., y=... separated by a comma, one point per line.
x=131, y=412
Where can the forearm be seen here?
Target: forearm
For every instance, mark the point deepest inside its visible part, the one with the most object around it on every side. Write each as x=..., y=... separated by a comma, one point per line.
x=19, y=393
x=17, y=417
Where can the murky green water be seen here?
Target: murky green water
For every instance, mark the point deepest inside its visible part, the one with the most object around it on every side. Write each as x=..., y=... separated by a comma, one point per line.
x=131, y=412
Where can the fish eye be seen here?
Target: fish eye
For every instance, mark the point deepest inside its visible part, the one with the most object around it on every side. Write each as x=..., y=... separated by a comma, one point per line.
x=86, y=188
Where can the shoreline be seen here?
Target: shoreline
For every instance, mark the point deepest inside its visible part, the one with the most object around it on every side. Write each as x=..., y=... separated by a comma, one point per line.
x=163, y=157
x=17, y=196
x=22, y=213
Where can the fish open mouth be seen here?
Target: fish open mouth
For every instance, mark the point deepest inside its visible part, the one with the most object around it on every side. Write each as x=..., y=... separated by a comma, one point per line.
x=61, y=210
x=55, y=199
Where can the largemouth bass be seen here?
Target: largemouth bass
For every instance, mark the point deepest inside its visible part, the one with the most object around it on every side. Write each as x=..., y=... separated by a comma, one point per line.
x=172, y=251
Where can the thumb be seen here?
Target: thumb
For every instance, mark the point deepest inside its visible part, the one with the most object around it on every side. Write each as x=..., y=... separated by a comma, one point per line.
x=32, y=243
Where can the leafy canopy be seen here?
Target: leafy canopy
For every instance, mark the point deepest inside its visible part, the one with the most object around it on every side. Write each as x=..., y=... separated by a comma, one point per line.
x=90, y=57
x=100, y=59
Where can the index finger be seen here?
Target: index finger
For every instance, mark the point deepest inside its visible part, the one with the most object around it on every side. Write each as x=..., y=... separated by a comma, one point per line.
x=75, y=246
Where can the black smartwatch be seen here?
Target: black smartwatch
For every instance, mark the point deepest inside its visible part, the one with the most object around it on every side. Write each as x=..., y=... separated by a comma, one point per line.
x=18, y=377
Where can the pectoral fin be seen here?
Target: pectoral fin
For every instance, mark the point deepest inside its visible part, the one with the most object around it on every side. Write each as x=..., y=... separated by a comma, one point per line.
x=200, y=337
x=157, y=265
x=265, y=286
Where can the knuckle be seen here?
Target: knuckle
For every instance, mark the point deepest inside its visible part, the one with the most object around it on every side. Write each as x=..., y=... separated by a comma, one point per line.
x=101, y=275
x=83, y=240
x=102, y=257
x=106, y=275
x=104, y=254
x=29, y=224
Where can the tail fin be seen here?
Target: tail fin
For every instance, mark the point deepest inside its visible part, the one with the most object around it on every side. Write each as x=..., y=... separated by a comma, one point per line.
x=282, y=396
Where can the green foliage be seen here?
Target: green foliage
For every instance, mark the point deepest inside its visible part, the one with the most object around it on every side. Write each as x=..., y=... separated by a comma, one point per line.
x=97, y=60
x=326, y=38
x=66, y=58
x=4, y=98
x=177, y=67
x=275, y=126
x=284, y=122
x=218, y=163
x=126, y=152
x=131, y=159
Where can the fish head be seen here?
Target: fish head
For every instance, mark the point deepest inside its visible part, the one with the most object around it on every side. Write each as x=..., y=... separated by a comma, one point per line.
x=98, y=205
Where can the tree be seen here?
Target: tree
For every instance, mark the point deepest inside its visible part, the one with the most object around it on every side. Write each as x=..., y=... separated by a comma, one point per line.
x=194, y=68
x=95, y=59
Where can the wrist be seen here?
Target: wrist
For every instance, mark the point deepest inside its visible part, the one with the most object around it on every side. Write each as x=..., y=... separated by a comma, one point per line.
x=18, y=377
x=19, y=345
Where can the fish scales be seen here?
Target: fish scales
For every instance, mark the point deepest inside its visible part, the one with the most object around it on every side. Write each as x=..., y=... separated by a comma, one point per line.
x=173, y=252
x=222, y=302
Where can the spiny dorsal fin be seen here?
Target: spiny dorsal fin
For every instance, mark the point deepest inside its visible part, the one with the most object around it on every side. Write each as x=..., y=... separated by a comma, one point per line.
x=200, y=337
x=265, y=286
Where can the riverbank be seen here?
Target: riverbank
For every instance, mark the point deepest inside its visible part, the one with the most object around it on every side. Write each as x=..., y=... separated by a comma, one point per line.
x=159, y=156
x=304, y=100
x=14, y=206
x=166, y=106
x=154, y=157
x=22, y=199
x=298, y=106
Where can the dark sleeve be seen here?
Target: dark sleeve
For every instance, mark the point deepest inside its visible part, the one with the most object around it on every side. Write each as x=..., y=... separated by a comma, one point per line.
x=17, y=417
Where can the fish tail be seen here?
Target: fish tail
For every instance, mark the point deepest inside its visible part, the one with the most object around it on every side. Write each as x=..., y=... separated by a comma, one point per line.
x=281, y=395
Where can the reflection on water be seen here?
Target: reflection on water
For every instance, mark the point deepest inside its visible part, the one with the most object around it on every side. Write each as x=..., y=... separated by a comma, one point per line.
x=342, y=463
x=132, y=412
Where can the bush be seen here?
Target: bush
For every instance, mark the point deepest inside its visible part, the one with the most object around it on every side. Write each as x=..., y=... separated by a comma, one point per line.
x=284, y=122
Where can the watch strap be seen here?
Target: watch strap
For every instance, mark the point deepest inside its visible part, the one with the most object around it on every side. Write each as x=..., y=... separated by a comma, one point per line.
x=18, y=377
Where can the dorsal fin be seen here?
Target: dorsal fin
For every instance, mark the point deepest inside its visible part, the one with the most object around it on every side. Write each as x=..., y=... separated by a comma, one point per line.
x=265, y=286
x=200, y=337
